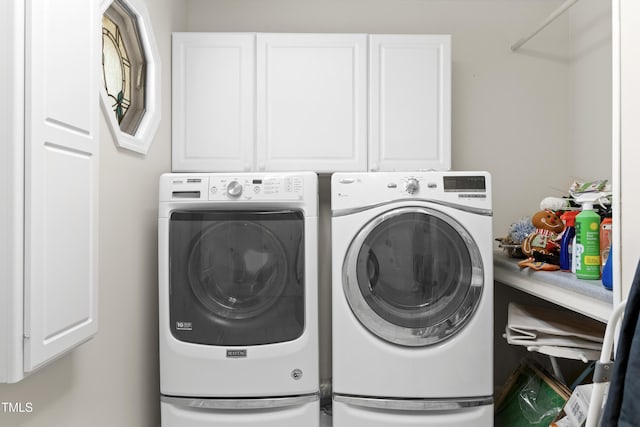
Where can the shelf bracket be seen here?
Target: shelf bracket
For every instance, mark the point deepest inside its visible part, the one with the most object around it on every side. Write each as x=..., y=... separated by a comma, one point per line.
x=554, y=15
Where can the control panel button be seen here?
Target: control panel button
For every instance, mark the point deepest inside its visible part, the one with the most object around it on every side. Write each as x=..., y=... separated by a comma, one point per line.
x=234, y=189
x=412, y=186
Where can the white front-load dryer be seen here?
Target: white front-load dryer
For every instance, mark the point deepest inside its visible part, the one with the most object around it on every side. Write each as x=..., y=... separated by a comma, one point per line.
x=238, y=316
x=412, y=309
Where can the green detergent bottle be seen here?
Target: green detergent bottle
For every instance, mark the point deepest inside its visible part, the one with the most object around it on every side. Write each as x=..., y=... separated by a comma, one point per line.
x=588, y=243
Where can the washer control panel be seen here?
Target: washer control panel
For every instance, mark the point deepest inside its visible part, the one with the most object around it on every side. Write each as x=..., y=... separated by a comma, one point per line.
x=256, y=188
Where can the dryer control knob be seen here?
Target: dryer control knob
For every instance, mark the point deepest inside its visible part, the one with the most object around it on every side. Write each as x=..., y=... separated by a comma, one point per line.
x=412, y=186
x=234, y=189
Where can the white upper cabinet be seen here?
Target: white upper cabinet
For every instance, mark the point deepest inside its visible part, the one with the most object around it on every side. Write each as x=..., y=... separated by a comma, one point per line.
x=213, y=102
x=409, y=102
x=312, y=102
x=319, y=102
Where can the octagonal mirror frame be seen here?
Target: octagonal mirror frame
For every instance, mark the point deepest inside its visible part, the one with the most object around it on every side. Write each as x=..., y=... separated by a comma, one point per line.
x=142, y=137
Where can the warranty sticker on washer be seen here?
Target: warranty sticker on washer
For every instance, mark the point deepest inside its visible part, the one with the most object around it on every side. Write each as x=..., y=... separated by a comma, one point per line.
x=237, y=354
x=184, y=326
x=472, y=196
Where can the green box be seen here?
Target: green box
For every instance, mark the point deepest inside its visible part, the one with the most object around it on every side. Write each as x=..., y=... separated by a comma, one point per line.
x=530, y=398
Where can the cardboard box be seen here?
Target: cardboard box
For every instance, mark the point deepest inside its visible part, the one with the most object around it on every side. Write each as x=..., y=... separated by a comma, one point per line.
x=574, y=413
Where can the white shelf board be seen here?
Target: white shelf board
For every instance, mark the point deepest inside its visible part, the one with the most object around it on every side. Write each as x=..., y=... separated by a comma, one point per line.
x=587, y=297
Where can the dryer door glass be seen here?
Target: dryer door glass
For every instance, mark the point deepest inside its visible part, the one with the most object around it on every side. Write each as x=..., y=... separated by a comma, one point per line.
x=413, y=276
x=237, y=278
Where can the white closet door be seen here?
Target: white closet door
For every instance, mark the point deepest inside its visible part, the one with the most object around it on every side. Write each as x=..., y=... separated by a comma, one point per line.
x=61, y=188
x=410, y=102
x=312, y=102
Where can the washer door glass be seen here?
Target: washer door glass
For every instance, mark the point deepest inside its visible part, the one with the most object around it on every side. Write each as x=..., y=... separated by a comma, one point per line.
x=237, y=269
x=237, y=277
x=413, y=276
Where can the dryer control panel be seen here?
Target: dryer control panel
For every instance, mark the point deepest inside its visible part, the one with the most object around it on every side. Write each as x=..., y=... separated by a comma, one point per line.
x=471, y=189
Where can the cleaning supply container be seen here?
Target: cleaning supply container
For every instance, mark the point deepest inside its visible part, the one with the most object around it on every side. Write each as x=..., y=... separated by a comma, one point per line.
x=567, y=240
x=587, y=242
x=606, y=229
x=607, y=272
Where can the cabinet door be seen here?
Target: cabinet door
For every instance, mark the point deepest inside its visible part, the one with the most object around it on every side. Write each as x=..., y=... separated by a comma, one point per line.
x=62, y=56
x=213, y=102
x=410, y=102
x=11, y=189
x=311, y=110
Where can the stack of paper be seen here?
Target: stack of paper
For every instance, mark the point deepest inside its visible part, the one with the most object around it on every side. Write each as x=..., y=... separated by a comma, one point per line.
x=558, y=333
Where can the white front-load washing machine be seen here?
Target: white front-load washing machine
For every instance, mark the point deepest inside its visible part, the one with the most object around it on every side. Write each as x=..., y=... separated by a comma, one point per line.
x=238, y=316
x=412, y=292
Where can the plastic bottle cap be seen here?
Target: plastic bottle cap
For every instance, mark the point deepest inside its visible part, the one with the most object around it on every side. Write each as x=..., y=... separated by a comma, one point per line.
x=587, y=206
x=569, y=218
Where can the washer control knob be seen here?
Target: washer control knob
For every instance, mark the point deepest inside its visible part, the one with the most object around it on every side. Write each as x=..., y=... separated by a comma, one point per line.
x=234, y=189
x=412, y=186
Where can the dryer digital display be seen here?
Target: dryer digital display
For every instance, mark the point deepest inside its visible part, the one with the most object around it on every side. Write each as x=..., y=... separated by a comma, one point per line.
x=464, y=183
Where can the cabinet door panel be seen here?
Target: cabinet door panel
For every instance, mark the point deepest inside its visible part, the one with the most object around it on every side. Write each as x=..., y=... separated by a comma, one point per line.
x=213, y=102
x=61, y=179
x=410, y=102
x=311, y=110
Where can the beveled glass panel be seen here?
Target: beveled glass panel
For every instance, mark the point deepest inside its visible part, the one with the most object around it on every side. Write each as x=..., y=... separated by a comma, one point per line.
x=124, y=65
